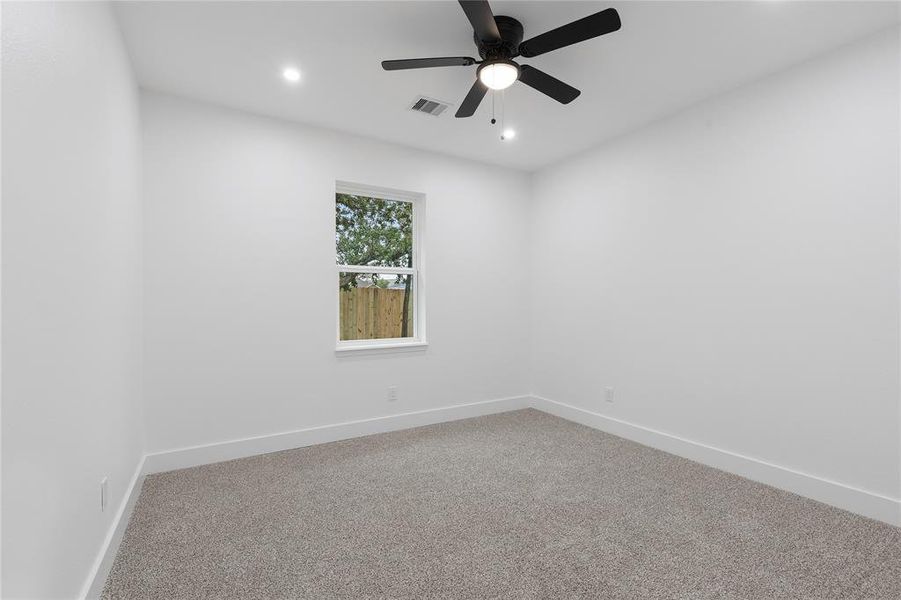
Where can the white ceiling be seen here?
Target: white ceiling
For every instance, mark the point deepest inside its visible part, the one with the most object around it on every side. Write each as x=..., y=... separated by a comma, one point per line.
x=667, y=55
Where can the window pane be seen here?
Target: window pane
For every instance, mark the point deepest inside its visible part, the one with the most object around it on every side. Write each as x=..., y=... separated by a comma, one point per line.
x=373, y=232
x=375, y=306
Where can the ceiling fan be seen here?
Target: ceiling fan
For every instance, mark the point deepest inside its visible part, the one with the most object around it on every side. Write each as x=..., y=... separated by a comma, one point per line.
x=499, y=40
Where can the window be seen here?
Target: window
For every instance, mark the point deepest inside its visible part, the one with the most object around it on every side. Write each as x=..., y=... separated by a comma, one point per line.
x=378, y=243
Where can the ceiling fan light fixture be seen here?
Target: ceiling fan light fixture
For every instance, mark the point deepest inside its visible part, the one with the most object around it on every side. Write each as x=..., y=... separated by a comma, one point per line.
x=500, y=39
x=499, y=75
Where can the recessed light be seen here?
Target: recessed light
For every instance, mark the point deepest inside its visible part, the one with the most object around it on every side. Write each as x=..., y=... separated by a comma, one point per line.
x=291, y=74
x=508, y=134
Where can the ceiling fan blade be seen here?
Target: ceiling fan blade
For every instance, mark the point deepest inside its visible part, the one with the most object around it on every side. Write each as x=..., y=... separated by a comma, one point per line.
x=606, y=21
x=482, y=19
x=472, y=100
x=544, y=83
x=423, y=63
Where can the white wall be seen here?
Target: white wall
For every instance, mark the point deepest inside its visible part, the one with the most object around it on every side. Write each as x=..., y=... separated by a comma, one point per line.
x=240, y=280
x=733, y=271
x=71, y=290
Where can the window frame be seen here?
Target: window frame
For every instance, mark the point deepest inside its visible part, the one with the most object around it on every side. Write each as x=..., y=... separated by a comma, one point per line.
x=417, y=271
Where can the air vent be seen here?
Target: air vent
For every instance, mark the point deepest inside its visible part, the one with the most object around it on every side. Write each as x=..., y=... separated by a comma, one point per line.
x=429, y=106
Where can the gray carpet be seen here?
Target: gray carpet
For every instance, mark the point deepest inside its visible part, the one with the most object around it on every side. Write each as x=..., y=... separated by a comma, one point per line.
x=517, y=505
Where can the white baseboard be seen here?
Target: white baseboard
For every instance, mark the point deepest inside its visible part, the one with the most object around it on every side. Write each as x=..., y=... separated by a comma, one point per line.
x=862, y=502
x=96, y=579
x=211, y=453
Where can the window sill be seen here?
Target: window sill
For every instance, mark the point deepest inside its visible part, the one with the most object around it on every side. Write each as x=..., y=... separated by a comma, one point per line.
x=381, y=348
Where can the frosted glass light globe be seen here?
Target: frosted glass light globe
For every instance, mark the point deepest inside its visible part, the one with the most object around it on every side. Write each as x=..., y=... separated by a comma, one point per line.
x=498, y=75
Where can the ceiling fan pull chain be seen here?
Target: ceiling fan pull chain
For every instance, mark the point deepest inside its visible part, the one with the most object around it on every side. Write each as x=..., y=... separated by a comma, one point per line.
x=493, y=120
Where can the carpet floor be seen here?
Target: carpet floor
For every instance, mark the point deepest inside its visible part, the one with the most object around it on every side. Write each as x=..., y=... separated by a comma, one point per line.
x=515, y=505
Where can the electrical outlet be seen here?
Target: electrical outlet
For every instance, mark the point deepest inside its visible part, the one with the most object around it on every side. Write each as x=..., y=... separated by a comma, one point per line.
x=392, y=393
x=104, y=493
x=608, y=394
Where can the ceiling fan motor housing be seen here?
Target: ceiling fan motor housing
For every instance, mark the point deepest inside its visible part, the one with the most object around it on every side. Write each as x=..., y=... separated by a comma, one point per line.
x=511, y=35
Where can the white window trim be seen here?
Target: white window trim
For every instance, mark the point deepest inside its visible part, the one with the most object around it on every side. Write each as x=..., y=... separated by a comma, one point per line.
x=418, y=272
